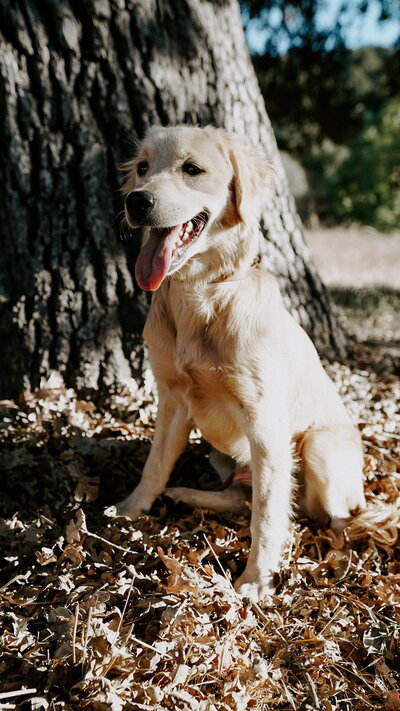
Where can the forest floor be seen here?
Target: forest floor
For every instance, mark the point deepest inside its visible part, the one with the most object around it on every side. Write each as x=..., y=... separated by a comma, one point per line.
x=100, y=614
x=356, y=257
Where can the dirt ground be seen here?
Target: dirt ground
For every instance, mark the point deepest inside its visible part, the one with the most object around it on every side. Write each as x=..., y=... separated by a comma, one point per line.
x=356, y=257
x=361, y=268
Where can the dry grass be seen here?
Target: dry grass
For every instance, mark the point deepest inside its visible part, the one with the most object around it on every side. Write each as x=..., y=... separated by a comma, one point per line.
x=105, y=614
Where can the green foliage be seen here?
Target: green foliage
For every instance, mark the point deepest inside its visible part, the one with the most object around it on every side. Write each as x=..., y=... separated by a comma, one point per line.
x=333, y=109
x=288, y=24
x=338, y=113
x=312, y=97
x=366, y=184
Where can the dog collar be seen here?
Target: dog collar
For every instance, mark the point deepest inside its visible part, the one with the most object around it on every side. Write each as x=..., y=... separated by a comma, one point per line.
x=235, y=276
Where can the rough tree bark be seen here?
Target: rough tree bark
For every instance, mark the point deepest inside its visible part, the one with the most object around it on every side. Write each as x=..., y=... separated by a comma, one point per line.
x=77, y=78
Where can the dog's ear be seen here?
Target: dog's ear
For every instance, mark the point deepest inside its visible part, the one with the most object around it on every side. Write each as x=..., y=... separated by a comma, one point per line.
x=251, y=176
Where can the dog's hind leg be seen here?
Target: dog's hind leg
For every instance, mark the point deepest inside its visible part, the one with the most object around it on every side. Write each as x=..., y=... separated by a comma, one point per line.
x=232, y=499
x=332, y=460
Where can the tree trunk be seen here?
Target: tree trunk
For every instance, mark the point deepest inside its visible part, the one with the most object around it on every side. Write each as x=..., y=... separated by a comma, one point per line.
x=77, y=79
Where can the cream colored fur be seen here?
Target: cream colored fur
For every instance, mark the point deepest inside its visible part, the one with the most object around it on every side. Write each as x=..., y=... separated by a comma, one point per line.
x=229, y=359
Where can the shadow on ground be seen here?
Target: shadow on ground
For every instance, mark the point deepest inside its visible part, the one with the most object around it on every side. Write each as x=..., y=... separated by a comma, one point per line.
x=371, y=315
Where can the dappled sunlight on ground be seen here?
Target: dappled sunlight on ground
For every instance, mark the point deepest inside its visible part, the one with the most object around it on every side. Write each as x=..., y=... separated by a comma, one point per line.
x=101, y=613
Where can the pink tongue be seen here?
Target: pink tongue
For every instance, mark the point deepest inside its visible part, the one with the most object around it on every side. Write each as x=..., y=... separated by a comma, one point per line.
x=155, y=258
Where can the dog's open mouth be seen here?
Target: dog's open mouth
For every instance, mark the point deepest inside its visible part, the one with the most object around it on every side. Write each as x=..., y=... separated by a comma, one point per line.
x=165, y=249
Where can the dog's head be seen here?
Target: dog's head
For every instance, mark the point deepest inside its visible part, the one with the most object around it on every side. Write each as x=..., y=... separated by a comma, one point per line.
x=187, y=185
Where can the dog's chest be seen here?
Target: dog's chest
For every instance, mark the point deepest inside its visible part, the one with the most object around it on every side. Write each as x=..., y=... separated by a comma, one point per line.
x=212, y=399
x=202, y=370
x=187, y=348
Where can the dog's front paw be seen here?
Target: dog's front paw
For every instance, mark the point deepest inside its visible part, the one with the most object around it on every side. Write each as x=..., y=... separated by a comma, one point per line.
x=255, y=590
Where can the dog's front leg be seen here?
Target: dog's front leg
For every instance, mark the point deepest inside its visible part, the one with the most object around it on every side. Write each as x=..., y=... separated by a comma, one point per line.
x=170, y=437
x=271, y=465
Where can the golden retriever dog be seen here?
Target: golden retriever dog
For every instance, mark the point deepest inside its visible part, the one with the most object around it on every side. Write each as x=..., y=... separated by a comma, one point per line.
x=227, y=357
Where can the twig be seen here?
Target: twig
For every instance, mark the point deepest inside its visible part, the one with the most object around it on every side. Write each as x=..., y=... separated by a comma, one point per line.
x=381, y=451
x=74, y=633
x=332, y=620
x=16, y=578
x=104, y=540
x=219, y=563
x=176, y=613
x=348, y=566
x=389, y=435
x=149, y=646
x=312, y=689
x=119, y=627
x=123, y=611
x=89, y=619
x=289, y=696
x=20, y=692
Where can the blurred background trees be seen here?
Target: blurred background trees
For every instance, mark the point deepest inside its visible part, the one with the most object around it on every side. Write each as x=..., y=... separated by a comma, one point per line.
x=334, y=109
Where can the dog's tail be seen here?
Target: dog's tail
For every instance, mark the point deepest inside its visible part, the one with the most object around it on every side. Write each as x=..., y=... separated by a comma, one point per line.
x=379, y=521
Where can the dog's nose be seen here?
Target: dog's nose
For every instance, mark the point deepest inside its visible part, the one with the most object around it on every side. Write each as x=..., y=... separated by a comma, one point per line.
x=139, y=203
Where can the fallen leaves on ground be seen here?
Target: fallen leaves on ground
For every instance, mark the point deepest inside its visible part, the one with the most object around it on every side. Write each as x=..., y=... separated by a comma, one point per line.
x=112, y=614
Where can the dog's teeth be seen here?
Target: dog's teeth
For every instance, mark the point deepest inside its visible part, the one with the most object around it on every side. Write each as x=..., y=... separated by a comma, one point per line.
x=186, y=235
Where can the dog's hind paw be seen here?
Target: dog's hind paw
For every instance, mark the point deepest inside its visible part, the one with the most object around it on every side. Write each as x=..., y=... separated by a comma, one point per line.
x=116, y=511
x=128, y=508
x=111, y=511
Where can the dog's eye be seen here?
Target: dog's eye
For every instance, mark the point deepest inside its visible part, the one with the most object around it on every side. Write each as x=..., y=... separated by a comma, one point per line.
x=191, y=169
x=142, y=167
